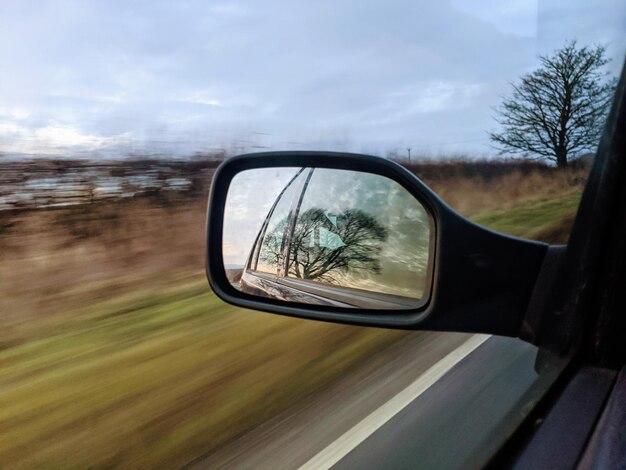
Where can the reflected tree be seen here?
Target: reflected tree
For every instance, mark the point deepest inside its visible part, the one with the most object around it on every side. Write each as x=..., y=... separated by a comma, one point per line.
x=272, y=246
x=324, y=246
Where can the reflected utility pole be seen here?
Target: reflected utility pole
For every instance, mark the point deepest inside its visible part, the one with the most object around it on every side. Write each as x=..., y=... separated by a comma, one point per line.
x=409, y=152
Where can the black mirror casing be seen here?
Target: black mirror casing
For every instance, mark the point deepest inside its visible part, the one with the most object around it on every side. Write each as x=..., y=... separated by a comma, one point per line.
x=481, y=280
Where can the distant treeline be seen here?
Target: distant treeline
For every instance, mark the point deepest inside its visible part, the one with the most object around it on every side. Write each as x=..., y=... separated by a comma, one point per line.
x=41, y=183
x=485, y=169
x=55, y=183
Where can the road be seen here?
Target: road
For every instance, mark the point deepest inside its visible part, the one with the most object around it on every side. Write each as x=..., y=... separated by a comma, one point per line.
x=396, y=411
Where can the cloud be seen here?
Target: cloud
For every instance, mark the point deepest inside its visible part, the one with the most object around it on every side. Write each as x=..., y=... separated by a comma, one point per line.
x=201, y=97
x=65, y=136
x=518, y=17
x=437, y=96
x=598, y=22
x=52, y=139
x=15, y=114
x=359, y=74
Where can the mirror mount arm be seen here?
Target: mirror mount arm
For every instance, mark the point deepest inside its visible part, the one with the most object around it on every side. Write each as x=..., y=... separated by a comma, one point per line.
x=484, y=280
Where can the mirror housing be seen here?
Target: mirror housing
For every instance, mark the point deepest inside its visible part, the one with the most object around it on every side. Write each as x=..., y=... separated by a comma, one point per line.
x=482, y=281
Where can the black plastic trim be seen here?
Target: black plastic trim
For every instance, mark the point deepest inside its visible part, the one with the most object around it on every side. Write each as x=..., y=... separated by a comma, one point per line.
x=607, y=446
x=560, y=440
x=482, y=280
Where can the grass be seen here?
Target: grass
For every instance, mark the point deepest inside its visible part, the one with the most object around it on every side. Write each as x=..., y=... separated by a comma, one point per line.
x=114, y=353
x=162, y=380
x=548, y=220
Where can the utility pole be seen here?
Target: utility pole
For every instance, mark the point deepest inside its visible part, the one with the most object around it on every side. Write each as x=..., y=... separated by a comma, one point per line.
x=409, y=152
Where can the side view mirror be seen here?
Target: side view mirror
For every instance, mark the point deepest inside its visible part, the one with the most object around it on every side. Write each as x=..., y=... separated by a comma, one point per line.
x=339, y=238
x=359, y=239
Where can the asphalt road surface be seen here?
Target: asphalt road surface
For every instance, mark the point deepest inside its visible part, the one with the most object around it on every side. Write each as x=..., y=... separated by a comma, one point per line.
x=433, y=400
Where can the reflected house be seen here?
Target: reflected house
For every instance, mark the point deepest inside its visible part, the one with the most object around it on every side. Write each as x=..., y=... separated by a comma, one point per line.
x=326, y=247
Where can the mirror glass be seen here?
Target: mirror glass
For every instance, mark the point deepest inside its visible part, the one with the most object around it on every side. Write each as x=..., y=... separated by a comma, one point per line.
x=327, y=237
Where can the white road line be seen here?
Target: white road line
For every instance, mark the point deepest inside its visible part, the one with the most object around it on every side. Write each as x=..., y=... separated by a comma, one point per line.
x=361, y=431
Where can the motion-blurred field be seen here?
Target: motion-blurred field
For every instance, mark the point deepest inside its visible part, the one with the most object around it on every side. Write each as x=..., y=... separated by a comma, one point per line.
x=113, y=352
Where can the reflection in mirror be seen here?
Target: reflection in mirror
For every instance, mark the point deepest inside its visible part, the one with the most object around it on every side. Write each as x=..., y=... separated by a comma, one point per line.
x=327, y=237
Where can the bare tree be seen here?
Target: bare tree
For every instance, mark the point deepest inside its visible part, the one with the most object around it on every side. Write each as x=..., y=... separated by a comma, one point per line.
x=353, y=244
x=323, y=251
x=558, y=110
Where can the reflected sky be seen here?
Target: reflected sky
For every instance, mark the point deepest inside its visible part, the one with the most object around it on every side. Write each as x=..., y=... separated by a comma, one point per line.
x=250, y=197
x=403, y=257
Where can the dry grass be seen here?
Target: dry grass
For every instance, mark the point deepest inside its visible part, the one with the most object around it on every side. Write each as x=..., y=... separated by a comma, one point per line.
x=113, y=353
x=477, y=188
x=53, y=258
x=157, y=379
x=64, y=254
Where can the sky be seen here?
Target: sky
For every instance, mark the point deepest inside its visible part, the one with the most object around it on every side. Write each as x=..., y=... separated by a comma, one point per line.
x=84, y=77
